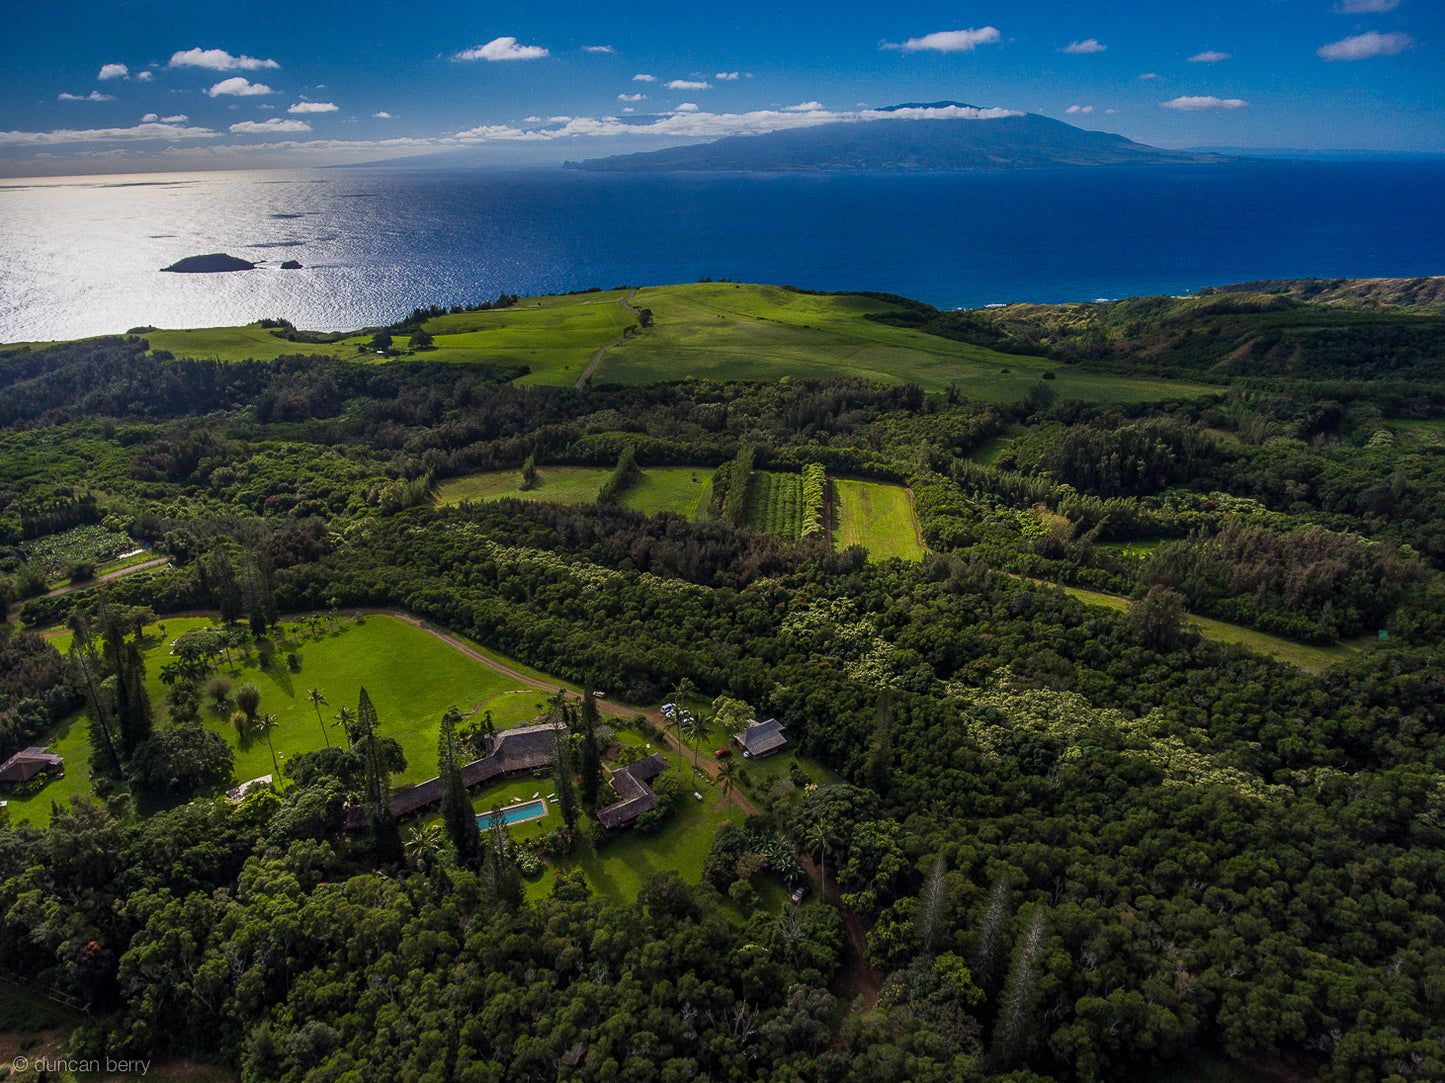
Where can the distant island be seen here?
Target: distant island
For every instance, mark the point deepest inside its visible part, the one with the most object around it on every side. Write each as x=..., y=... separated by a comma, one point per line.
x=950, y=141
x=215, y=263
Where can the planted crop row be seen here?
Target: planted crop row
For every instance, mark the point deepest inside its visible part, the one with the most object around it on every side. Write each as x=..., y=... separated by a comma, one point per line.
x=775, y=504
x=814, y=486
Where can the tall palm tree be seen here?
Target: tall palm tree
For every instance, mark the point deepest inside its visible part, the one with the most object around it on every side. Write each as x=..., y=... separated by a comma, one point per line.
x=692, y=726
x=684, y=688
x=728, y=770
x=266, y=723
x=318, y=700
x=818, y=838
x=345, y=718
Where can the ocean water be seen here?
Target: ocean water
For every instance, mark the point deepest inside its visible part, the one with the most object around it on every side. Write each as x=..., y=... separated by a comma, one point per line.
x=82, y=256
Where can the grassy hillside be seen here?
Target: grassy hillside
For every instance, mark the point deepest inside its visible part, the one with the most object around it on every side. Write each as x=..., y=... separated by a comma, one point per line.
x=712, y=330
x=733, y=331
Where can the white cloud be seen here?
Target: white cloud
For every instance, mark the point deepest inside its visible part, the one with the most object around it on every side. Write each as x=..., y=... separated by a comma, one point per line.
x=1110, y=112
x=531, y=120
x=1364, y=46
x=644, y=78
x=150, y=118
x=275, y=124
x=687, y=84
x=218, y=60
x=238, y=87
x=948, y=41
x=313, y=107
x=1189, y=104
x=695, y=124
x=1209, y=56
x=1088, y=45
x=805, y=107
x=1355, y=7
x=93, y=96
x=558, y=120
x=103, y=135
x=179, y=118
x=1149, y=75
x=687, y=107
x=502, y=49
x=598, y=49
x=728, y=76
x=381, y=116
x=144, y=76
x=112, y=71
x=628, y=109
x=1083, y=109
x=631, y=97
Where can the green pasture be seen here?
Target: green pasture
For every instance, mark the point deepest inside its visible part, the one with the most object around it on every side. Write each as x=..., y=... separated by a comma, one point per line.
x=878, y=517
x=251, y=342
x=710, y=330
x=556, y=337
x=555, y=485
x=681, y=489
x=686, y=490
x=732, y=331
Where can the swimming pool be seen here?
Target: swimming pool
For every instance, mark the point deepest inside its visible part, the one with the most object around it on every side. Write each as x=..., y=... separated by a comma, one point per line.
x=516, y=814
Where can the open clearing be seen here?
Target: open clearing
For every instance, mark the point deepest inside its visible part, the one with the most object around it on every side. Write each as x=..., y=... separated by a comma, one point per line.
x=681, y=489
x=709, y=330
x=1304, y=655
x=877, y=516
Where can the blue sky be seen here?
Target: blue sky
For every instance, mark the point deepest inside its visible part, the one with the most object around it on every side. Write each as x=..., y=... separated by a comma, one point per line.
x=145, y=84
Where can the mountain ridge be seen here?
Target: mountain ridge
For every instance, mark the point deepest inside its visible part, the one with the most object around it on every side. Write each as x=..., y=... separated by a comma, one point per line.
x=1014, y=141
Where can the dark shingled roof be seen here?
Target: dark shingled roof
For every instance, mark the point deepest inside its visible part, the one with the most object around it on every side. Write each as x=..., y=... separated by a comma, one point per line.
x=526, y=748
x=761, y=738
x=631, y=784
x=27, y=763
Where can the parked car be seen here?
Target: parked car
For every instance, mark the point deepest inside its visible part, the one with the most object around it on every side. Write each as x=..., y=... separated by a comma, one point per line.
x=800, y=893
x=722, y=753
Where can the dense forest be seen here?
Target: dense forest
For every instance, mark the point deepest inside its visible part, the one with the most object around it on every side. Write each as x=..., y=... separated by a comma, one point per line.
x=1083, y=843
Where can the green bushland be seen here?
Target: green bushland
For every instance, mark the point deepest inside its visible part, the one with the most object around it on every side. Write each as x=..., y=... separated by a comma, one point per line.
x=878, y=517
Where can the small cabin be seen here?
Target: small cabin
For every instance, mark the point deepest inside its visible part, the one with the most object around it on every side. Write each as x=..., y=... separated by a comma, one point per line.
x=29, y=762
x=761, y=739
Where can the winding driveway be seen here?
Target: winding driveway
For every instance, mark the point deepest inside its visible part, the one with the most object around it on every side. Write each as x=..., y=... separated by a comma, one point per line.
x=597, y=357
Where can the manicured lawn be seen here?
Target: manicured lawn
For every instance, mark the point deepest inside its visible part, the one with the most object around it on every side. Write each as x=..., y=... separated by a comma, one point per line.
x=730, y=331
x=627, y=861
x=878, y=517
x=412, y=679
